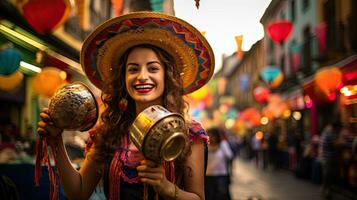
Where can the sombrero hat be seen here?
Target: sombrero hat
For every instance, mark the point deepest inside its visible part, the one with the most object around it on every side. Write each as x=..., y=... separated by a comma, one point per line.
x=106, y=44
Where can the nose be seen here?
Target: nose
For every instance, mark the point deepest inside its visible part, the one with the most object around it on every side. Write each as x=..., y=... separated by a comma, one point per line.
x=143, y=75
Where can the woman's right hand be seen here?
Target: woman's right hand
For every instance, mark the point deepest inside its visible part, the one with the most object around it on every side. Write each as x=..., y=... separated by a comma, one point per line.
x=47, y=129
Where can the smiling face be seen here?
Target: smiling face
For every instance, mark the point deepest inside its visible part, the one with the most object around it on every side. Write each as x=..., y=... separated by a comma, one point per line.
x=144, y=77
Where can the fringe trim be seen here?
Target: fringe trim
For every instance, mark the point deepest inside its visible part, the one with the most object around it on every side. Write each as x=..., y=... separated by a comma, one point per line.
x=42, y=157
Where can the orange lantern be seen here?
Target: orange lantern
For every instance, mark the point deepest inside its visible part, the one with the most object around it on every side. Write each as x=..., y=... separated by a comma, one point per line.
x=328, y=80
x=10, y=82
x=266, y=112
x=49, y=80
x=251, y=115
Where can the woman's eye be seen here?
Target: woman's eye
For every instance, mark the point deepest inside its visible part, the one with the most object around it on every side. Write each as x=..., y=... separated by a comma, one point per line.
x=132, y=69
x=153, y=68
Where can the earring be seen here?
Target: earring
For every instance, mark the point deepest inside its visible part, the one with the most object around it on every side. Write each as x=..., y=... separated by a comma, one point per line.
x=123, y=104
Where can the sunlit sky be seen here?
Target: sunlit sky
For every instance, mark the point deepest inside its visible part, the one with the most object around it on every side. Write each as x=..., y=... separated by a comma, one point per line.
x=222, y=20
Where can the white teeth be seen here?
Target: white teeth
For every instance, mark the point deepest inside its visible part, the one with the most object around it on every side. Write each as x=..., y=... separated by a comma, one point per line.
x=144, y=87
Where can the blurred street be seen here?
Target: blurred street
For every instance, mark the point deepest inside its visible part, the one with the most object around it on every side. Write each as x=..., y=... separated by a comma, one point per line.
x=251, y=183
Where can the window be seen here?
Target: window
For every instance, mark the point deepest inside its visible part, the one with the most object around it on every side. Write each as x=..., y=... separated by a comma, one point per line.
x=292, y=10
x=305, y=5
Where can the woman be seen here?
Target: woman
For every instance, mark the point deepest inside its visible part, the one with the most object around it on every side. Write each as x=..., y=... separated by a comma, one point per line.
x=138, y=60
x=219, y=156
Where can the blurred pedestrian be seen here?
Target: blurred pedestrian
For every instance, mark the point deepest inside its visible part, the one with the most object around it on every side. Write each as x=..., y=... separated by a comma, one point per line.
x=217, y=174
x=328, y=150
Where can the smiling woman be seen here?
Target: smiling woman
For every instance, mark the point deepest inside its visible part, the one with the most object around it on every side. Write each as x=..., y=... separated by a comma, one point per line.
x=145, y=76
x=138, y=60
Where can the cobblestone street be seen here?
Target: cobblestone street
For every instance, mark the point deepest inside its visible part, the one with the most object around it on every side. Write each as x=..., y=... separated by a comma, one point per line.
x=251, y=183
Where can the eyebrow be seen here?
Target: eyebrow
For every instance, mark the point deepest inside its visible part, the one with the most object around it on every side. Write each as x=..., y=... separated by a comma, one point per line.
x=151, y=62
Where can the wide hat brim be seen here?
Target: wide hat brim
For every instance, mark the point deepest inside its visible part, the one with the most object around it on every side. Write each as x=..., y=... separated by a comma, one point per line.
x=106, y=44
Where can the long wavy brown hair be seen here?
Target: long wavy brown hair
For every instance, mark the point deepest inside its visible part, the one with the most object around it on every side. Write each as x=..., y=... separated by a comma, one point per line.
x=115, y=123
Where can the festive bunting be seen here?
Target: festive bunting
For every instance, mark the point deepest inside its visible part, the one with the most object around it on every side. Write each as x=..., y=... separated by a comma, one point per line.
x=321, y=31
x=239, y=41
x=244, y=82
x=295, y=56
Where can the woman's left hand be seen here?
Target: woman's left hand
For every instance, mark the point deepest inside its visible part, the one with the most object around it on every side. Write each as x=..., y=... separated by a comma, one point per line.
x=154, y=174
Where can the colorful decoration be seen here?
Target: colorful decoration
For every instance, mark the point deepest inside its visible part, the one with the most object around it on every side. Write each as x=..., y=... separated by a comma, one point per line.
x=157, y=5
x=48, y=81
x=279, y=31
x=272, y=75
x=222, y=83
x=244, y=80
x=9, y=60
x=321, y=31
x=295, y=56
x=277, y=81
x=251, y=116
x=239, y=41
x=46, y=15
x=82, y=13
x=261, y=94
x=328, y=80
x=118, y=7
x=10, y=82
x=200, y=94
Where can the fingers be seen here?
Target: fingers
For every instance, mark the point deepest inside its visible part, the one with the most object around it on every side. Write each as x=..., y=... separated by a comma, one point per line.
x=46, y=127
x=149, y=166
x=151, y=173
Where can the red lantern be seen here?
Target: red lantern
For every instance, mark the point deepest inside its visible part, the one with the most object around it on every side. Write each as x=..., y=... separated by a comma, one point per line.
x=261, y=94
x=280, y=30
x=45, y=15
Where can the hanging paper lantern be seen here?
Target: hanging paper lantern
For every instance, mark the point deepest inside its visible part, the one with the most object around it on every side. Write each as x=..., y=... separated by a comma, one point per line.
x=48, y=81
x=266, y=112
x=244, y=82
x=279, y=31
x=250, y=115
x=261, y=94
x=328, y=79
x=277, y=81
x=321, y=31
x=270, y=73
x=9, y=60
x=46, y=15
x=10, y=82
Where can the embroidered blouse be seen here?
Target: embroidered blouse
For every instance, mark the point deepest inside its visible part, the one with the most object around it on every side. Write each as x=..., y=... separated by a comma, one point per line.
x=122, y=177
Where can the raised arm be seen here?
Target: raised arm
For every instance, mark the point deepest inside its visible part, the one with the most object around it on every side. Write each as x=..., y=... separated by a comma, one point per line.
x=76, y=184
